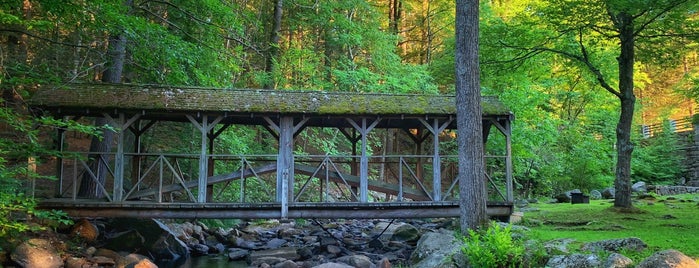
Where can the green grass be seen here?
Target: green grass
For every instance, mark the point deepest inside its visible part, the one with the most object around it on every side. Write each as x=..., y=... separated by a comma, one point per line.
x=661, y=222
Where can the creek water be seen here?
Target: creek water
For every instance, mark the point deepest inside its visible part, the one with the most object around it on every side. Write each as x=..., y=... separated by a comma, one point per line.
x=212, y=262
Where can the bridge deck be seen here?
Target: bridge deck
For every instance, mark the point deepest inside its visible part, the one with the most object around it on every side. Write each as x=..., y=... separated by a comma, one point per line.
x=140, y=209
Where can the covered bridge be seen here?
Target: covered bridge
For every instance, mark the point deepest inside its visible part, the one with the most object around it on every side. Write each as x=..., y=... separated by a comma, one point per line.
x=204, y=184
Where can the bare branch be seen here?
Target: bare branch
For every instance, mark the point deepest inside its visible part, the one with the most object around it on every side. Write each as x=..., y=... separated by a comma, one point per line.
x=44, y=38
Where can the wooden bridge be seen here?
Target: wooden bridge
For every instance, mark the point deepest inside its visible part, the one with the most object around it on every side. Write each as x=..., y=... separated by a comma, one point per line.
x=289, y=183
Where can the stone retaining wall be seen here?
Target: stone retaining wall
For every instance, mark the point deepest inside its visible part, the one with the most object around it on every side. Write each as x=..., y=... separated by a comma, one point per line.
x=673, y=190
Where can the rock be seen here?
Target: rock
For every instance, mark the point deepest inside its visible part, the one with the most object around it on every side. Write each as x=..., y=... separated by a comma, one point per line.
x=152, y=236
x=434, y=249
x=275, y=243
x=332, y=265
x=595, y=195
x=85, y=230
x=334, y=250
x=616, y=245
x=692, y=183
x=287, y=253
x=268, y=260
x=565, y=196
x=616, y=260
x=383, y=263
x=36, y=252
x=574, y=261
x=145, y=263
x=639, y=187
x=235, y=254
x=242, y=243
x=73, y=262
x=609, y=193
x=668, y=259
x=521, y=203
x=358, y=261
x=199, y=249
x=286, y=264
x=400, y=231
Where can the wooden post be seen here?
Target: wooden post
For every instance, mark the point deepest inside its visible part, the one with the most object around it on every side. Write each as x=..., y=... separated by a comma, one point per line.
x=58, y=144
x=505, y=127
x=204, y=129
x=364, y=130
x=122, y=124
x=435, y=128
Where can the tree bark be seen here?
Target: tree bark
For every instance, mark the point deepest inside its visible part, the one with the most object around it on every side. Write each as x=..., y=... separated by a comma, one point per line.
x=622, y=183
x=274, y=44
x=89, y=186
x=472, y=197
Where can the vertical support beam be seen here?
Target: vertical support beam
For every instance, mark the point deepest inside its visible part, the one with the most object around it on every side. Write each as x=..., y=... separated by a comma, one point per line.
x=505, y=127
x=285, y=163
x=203, y=162
x=364, y=130
x=435, y=128
x=508, y=161
x=58, y=145
x=122, y=124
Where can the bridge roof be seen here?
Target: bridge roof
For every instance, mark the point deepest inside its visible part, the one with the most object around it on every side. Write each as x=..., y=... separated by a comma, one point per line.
x=177, y=98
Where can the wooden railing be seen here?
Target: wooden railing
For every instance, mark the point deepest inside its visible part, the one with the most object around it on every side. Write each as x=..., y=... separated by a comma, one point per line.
x=678, y=125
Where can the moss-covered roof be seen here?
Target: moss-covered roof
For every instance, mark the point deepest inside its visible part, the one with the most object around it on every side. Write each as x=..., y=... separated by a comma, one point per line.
x=186, y=99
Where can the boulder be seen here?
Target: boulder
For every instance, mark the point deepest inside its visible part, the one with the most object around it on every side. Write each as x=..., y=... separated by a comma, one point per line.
x=358, y=261
x=85, y=230
x=400, y=231
x=616, y=260
x=435, y=249
x=151, y=236
x=609, y=193
x=616, y=245
x=235, y=254
x=333, y=265
x=639, y=187
x=288, y=253
x=574, y=261
x=37, y=252
x=668, y=259
x=595, y=195
x=521, y=203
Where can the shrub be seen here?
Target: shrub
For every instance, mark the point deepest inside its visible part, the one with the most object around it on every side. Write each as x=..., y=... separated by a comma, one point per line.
x=493, y=248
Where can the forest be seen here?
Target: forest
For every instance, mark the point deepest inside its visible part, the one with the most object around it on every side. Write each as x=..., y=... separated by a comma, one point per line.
x=556, y=64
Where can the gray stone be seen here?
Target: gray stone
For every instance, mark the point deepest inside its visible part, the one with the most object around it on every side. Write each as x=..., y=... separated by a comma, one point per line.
x=596, y=195
x=235, y=254
x=639, y=187
x=275, y=243
x=332, y=265
x=609, y=193
x=668, y=259
x=288, y=253
x=521, y=203
x=616, y=260
x=358, y=261
x=332, y=249
x=435, y=249
x=692, y=183
x=36, y=252
x=574, y=261
x=397, y=231
x=616, y=245
x=286, y=264
x=150, y=235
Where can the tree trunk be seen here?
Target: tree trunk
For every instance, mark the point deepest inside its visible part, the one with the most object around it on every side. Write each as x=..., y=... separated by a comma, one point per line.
x=622, y=183
x=89, y=186
x=274, y=44
x=472, y=197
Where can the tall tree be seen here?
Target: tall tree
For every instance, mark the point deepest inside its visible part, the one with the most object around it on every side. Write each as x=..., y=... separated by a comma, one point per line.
x=591, y=34
x=116, y=54
x=472, y=191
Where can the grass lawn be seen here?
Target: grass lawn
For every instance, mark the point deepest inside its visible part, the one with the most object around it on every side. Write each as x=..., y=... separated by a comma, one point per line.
x=663, y=222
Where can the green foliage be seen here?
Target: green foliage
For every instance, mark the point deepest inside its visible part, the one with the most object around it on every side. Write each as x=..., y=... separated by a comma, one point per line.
x=16, y=153
x=493, y=247
x=659, y=159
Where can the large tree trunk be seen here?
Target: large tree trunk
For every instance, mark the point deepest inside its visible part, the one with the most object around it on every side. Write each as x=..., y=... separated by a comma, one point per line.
x=274, y=44
x=472, y=197
x=622, y=183
x=89, y=186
